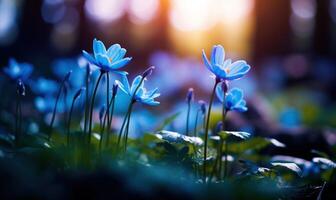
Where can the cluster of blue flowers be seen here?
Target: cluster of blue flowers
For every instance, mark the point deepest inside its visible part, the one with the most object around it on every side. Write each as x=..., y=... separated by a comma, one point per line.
x=111, y=61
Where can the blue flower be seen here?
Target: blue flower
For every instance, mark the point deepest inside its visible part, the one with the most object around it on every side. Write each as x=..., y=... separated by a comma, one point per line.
x=107, y=60
x=233, y=99
x=43, y=86
x=142, y=95
x=17, y=70
x=224, y=69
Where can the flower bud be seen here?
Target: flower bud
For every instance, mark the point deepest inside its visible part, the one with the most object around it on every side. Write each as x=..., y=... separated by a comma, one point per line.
x=67, y=76
x=148, y=72
x=78, y=93
x=190, y=95
x=20, y=88
x=114, y=89
x=202, y=106
x=219, y=127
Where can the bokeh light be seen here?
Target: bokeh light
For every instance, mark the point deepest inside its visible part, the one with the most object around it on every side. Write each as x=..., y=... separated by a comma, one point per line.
x=8, y=26
x=302, y=18
x=142, y=12
x=104, y=10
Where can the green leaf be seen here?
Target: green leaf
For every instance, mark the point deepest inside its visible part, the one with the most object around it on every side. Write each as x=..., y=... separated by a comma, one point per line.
x=175, y=137
x=325, y=161
x=240, y=134
x=291, y=166
x=253, y=144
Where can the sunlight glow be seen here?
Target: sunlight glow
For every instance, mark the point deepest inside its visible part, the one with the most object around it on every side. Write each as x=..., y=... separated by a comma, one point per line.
x=104, y=10
x=190, y=15
x=233, y=11
x=193, y=15
x=141, y=11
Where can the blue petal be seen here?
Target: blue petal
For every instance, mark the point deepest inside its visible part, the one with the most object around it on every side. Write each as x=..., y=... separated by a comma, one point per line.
x=135, y=83
x=103, y=60
x=113, y=51
x=238, y=67
x=151, y=102
x=218, y=71
x=123, y=73
x=237, y=95
x=89, y=57
x=213, y=55
x=121, y=54
x=206, y=61
x=27, y=69
x=13, y=62
x=220, y=93
x=98, y=47
x=219, y=55
x=121, y=63
x=153, y=94
x=122, y=87
x=226, y=63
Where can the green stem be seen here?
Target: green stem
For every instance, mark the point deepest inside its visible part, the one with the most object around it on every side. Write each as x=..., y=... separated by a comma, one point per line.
x=110, y=122
x=127, y=129
x=69, y=121
x=196, y=120
x=220, y=159
x=92, y=105
x=107, y=100
x=86, y=99
x=18, y=119
x=65, y=92
x=195, y=149
x=55, y=109
x=224, y=112
x=207, y=130
x=128, y=111
x=187, y=123
x=122, y=126
x=225, y=161
x=102, y=128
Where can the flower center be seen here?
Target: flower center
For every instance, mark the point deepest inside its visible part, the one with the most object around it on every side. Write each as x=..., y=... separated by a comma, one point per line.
x=110, y=60
x=227, y=70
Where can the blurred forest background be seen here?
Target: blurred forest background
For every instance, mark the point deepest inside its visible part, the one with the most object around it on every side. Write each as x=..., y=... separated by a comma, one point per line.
x=290, y=44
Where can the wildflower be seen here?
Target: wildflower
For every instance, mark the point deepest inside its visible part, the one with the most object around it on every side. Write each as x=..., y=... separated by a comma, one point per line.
x=233, y=99
x=142, y=95
x=202, y=106
x=107, y=60
x=224, y=69
x=17, y=70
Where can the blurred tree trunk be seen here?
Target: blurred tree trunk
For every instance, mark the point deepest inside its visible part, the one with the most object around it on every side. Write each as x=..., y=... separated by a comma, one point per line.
x=272, y=31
